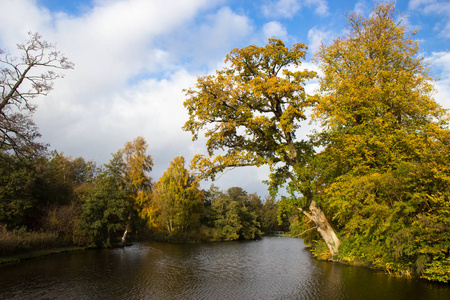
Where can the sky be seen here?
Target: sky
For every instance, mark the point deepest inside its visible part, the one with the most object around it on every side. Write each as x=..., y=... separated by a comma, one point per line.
x=133, y=58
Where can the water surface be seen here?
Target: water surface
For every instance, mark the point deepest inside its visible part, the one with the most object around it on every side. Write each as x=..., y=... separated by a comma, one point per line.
x=272, y=268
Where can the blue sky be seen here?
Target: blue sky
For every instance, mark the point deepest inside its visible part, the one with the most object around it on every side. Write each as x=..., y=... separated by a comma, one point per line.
x=133, y=58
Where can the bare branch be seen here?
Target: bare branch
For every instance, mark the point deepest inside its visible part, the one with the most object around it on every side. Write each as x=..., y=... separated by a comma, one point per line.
x=19, y=83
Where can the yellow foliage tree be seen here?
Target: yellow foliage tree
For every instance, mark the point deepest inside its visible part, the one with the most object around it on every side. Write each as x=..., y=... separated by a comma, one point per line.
x=133, y=165
x=178, y=199
x=385, y=165
x=251, y=112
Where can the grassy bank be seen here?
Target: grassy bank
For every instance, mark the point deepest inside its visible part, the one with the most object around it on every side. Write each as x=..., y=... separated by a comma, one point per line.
x=19, y=244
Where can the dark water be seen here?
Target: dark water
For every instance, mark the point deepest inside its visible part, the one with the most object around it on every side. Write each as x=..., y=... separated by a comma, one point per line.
x=273, y=268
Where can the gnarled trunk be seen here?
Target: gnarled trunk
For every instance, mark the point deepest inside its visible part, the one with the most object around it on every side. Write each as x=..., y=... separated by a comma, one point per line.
x=323, y=227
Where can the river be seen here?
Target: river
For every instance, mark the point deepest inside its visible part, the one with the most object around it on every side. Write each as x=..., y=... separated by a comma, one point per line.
x=272, y=268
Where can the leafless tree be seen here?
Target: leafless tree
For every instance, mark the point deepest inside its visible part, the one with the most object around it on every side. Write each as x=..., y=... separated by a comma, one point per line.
x=22, y=79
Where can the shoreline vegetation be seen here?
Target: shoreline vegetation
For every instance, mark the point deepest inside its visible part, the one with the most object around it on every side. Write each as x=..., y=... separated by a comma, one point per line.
x=26, y=250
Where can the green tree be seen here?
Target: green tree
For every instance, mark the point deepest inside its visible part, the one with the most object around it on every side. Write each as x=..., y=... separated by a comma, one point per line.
x=178, y=199
x=248, y=207
x=233, y=215
x=129, y=168
x=64, y=183
x=269, y=220
x=227, y=223
x=20, y=81
x=251, y=112
x=104, y=211
x=385, y=163
x=18, y=192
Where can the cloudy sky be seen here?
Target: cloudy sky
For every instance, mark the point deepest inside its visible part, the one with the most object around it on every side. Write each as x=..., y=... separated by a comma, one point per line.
x=133, y=58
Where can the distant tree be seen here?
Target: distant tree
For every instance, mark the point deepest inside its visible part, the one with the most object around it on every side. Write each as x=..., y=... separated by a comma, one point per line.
x=235, y=215
x=104, y=211
x=178, y=199
x=248, y=211
x=64, y=183
x=21, y=81
x=269, y=221
x=137, y=166
x=18, y=193
x=227, y=223
x=130, y=168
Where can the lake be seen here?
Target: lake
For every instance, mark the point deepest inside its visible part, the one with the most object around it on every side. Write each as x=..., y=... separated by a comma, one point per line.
x=271, y=268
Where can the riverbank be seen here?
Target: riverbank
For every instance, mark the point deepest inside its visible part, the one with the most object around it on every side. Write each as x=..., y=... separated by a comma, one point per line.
x=15, y=258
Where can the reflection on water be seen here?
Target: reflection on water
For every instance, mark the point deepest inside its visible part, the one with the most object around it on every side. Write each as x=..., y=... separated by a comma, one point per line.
x=273, y=268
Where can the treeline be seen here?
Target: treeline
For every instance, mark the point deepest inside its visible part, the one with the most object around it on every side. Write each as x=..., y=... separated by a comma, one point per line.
x=56, y=200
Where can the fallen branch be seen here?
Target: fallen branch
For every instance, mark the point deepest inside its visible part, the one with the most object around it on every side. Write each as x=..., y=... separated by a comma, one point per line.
x=305, y=231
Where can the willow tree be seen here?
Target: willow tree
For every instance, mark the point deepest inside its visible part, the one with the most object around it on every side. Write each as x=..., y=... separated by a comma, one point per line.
x=251, y=112
x=385, y=163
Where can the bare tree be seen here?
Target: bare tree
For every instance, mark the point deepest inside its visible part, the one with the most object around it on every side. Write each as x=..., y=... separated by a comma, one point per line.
x=22, y=79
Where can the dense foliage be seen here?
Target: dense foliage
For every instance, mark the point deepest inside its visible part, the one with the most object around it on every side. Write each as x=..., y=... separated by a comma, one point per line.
x=377, y=170
x=385, y=162
x=55, y=201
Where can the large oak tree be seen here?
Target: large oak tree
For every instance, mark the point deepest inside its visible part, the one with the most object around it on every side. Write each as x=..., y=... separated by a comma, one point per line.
x=251, y=112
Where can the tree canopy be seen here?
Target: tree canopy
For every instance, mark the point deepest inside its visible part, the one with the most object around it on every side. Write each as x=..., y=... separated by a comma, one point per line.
x=252, y=109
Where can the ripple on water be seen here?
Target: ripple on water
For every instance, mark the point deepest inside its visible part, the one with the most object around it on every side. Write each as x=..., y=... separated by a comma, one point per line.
x=273, y=268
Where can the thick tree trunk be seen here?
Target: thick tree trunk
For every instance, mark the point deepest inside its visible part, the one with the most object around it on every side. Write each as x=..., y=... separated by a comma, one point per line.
x=323, y=227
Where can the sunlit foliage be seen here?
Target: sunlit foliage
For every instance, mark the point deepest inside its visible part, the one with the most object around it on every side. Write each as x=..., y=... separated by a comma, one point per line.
x=178, y=199
x=385, y=164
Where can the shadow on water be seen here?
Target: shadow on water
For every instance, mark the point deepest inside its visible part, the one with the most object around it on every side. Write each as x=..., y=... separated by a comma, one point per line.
x=273, y=268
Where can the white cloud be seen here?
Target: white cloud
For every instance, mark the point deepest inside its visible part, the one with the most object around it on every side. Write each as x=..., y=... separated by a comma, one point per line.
x=321, y=6
x=414, y=4
x=289, y=8
x=361, y=8
x=274, y=29
x=223, y=28
x=316, y=37
x=281, y=8
x=206, y=42
x=441, y=62
x=437, y=8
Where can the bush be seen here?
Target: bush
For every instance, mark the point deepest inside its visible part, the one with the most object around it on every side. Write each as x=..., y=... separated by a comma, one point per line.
x=20, y=240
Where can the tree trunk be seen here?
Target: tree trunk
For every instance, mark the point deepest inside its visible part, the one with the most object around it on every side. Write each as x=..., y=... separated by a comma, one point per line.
x=323, y=227
x=127, y=226
x=108, y=237
x=124, y=237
